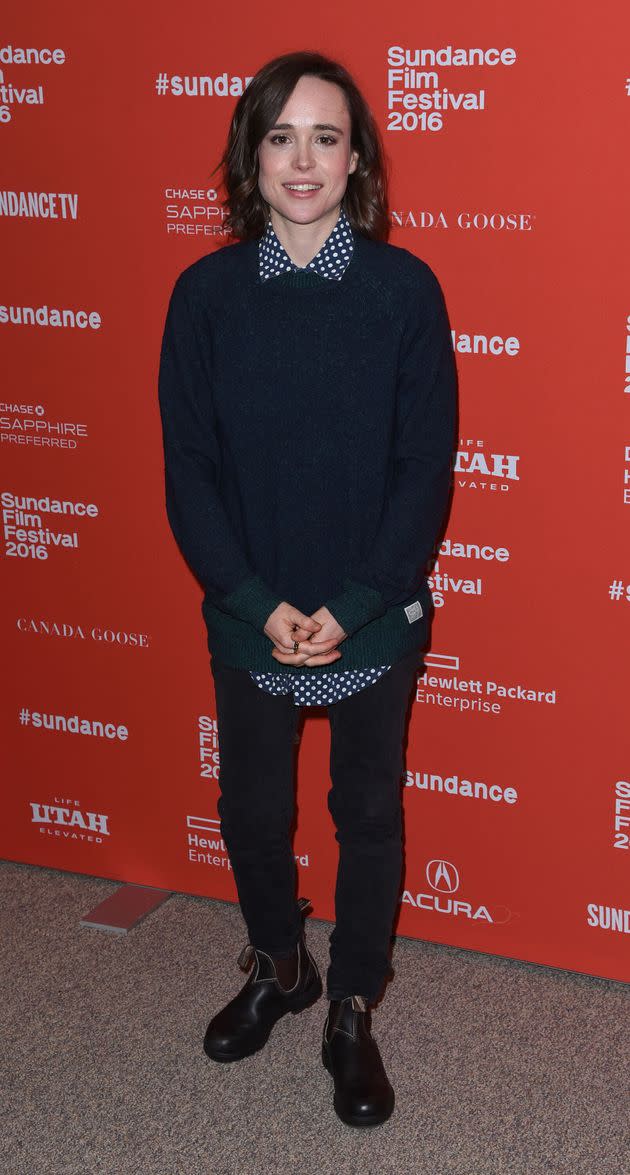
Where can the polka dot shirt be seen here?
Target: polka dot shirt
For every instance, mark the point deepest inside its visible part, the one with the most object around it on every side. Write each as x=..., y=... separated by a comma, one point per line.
x=331, y=262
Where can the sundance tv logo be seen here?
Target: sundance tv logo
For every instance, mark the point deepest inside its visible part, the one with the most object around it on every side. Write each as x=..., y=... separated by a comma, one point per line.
x=66, y=820
x=39, y=205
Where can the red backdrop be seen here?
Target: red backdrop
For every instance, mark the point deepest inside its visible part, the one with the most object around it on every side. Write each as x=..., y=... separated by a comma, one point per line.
x=508, y=156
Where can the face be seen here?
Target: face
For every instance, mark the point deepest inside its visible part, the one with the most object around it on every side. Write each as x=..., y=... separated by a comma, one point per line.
x=314, y=149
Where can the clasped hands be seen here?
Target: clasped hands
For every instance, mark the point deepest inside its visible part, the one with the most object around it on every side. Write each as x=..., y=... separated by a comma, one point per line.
x=318, y=635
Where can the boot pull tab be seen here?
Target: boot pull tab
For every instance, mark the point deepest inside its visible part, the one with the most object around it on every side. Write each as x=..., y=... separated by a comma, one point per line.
x=305, y=904
x=246, y=956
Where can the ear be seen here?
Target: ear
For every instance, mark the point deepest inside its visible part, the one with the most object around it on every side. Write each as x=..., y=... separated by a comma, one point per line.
x=354, y=159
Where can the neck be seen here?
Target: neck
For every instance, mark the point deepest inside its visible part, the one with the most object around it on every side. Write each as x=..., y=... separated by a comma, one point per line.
x=303, y=282
x=302, y=242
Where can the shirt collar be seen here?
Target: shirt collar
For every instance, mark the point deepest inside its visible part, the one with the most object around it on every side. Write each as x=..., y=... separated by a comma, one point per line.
x=331, y=261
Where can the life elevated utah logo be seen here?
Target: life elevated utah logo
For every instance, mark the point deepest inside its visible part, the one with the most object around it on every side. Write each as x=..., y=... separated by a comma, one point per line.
x=478, y=468
x=65, y=820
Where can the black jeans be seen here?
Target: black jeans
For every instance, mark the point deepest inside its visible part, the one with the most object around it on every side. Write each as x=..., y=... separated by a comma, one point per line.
x=256, y=736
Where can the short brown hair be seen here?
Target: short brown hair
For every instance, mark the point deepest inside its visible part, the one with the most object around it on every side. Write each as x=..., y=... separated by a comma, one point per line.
x=258, y=108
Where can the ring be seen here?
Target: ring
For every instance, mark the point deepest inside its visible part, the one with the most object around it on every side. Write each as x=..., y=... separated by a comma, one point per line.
x=296, y=645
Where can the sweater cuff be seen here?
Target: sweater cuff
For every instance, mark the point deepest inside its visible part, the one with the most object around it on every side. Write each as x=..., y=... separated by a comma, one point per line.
x=252, y=601
x=355, y=606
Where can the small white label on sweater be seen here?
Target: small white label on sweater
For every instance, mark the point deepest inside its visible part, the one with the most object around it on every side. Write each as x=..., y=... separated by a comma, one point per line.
x=413, y=611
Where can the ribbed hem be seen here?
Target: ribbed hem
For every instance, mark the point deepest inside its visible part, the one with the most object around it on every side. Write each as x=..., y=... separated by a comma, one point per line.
x=355, y=606
x=380, y=642
x=252, y=601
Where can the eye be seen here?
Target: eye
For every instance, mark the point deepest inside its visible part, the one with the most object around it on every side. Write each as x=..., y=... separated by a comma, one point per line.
x=330, y=140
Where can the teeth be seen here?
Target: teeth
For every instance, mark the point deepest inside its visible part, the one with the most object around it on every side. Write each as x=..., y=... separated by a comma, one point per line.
x=302, y=187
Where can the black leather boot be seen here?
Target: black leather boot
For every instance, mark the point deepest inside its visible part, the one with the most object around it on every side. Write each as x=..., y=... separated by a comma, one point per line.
x=243, y=1026
x=363, y=1094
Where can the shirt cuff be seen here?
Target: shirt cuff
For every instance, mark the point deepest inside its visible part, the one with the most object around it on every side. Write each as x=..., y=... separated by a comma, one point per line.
x=252, y=601
x=355, y=606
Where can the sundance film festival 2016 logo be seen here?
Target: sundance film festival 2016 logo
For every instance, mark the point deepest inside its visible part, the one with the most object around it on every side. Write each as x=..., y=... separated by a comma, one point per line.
x=15, y=92
x=626, y=386
x=445, y=582
x=208, y=734
x=414, y=85
x=622, y=815
x=65, y=820
x=441, y=896
x=27, y=531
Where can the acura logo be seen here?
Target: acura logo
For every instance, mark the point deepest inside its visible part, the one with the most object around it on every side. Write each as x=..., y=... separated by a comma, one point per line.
x=442, y=876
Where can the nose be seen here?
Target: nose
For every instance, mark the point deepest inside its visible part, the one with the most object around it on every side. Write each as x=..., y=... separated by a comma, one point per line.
x=302, y=156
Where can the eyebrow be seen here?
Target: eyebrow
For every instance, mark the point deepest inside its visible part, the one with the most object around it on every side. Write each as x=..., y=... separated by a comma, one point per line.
x=317, y=126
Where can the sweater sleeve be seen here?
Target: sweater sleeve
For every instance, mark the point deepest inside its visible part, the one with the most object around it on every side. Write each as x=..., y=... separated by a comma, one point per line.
x=425, y=440
x=195, y=512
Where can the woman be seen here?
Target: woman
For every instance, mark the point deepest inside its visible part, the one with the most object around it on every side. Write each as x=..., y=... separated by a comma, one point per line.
x=307, y=395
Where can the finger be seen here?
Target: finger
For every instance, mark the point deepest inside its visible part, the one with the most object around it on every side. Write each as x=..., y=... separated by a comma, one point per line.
x=322, y=660
x=300, y=659
x=300, y=634
x=305, y=622
x=322, y=646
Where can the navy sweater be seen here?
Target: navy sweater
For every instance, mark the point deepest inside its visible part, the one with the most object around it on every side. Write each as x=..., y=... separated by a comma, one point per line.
x=330, y=262
x=309, y=431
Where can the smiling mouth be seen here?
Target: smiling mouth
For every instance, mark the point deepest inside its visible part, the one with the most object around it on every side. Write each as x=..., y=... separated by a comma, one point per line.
x=302, y=187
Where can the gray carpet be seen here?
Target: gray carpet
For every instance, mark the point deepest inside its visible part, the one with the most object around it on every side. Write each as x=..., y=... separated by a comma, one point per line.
x=498, y=1066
